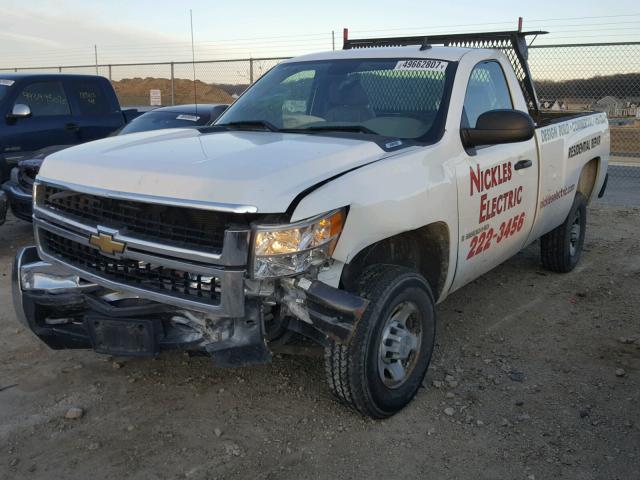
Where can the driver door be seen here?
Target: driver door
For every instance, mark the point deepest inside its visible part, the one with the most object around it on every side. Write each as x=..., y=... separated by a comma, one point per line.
x=497, y=184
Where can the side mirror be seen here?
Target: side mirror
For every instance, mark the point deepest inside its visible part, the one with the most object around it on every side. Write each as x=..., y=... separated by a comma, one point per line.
x=20, y=110
x=499, y=126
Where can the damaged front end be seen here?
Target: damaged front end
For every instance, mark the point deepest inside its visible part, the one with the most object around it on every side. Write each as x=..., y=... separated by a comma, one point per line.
x=130, y=276
x=66, y=310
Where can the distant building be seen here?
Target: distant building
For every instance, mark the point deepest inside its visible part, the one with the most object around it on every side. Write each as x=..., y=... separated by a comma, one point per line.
x=616, y=107
x=609, y=105
x=552, y=104
x=576, y=104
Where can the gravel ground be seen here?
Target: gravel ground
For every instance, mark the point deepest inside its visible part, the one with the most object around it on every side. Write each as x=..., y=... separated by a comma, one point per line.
x=535, y=376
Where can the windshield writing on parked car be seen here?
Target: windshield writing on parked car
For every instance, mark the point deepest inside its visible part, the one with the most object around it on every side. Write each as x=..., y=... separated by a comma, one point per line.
x=400, y=98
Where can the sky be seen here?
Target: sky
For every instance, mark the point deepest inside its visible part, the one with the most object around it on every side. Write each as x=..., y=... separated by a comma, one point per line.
x=69, y=32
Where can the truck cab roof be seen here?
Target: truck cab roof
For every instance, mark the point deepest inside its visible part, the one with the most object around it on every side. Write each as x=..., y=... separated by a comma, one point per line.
x=43, y=76
x=449, y=54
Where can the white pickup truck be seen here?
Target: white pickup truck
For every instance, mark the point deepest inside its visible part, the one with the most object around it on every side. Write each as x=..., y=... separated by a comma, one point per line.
x=336, y=202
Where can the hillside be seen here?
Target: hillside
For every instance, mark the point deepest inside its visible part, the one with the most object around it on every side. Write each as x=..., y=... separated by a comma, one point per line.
x=621, y=86
x=135, y=91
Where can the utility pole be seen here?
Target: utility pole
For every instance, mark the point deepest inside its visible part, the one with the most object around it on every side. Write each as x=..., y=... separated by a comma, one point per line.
x=193, y=63
x=333, y=39
x=95, y=52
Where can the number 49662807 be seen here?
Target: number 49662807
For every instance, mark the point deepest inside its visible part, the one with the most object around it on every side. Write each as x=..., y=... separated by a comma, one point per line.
x=483, y=241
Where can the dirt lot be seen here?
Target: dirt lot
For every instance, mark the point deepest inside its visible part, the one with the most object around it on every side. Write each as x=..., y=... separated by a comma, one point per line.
x=544, y=382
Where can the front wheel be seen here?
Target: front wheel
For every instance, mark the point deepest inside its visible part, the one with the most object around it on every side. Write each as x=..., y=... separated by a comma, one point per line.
x=380, y=370
x=560, y=249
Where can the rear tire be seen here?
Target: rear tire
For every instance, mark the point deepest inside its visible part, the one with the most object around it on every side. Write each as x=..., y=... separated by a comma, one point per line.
x=561, y=248
x=380, y=370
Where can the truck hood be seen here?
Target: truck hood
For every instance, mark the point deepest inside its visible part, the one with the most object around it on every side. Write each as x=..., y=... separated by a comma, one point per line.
x=266, y=170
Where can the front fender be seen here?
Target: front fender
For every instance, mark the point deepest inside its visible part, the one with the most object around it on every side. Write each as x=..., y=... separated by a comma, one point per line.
x=387, y=198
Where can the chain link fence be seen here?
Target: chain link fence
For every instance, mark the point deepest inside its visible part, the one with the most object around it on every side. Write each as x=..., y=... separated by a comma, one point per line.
x=577, y=77
x=218, y=81
x=623, y=186
x=603, y=77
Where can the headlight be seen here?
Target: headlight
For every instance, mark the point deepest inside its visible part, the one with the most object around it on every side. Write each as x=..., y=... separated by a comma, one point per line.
x=283, y=250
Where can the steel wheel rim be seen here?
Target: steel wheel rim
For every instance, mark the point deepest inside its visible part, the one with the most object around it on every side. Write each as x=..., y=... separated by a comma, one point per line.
x=574, y=234
x=400, y=345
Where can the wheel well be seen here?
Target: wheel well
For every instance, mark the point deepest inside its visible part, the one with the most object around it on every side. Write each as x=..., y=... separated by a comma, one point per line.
x=425, y=250
x=588, y=177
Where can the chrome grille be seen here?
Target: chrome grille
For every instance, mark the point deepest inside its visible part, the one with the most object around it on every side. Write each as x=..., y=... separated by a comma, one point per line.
x=140, y=274
x=182, y=227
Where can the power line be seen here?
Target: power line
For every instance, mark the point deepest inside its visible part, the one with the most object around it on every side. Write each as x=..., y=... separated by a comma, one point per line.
x=252, y=40
x=248, y=47
x=306, y=42
x=299, y=35
x=511, y=22
x=583, y=18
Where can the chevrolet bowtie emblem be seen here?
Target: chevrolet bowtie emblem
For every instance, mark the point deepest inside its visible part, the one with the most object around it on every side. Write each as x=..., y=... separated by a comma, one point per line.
x=106, y=243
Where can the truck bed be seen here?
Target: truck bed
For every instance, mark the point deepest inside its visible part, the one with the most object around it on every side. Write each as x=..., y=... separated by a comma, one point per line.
x=566, y=143
x=549, y=117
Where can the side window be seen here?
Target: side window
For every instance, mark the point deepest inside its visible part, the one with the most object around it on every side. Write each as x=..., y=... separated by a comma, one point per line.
x=91, y=97
x=487, y=90
x=45, y=99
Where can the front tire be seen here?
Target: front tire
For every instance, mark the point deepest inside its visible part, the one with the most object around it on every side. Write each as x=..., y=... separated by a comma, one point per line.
x=561, y=248
x=380, y=370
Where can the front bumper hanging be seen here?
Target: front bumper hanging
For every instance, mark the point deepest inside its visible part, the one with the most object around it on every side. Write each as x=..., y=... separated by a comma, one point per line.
x=67, y=311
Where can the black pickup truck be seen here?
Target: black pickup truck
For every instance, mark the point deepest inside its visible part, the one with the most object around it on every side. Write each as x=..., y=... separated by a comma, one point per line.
x=40, y=110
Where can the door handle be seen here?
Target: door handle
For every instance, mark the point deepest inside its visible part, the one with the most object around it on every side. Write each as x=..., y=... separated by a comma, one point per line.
x=74, y=127
x=522, y=164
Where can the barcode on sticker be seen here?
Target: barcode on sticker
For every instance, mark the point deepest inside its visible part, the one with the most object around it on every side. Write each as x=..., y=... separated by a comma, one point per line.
x=422, y=65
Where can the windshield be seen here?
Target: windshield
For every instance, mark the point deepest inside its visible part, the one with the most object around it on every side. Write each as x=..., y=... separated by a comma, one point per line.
x=158, y=120
x=401, y=98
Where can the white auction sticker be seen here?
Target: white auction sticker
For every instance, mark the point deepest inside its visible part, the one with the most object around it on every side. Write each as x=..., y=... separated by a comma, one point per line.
x=421, y=65
x=191, y=118
x=6, y=83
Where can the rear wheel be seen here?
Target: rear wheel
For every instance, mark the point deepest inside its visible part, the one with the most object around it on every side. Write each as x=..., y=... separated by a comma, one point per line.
x=380, y=370
x=561, y=248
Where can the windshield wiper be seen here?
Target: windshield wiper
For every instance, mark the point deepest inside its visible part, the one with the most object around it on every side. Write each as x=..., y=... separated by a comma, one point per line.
x=250, y=124
x=333, y=128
